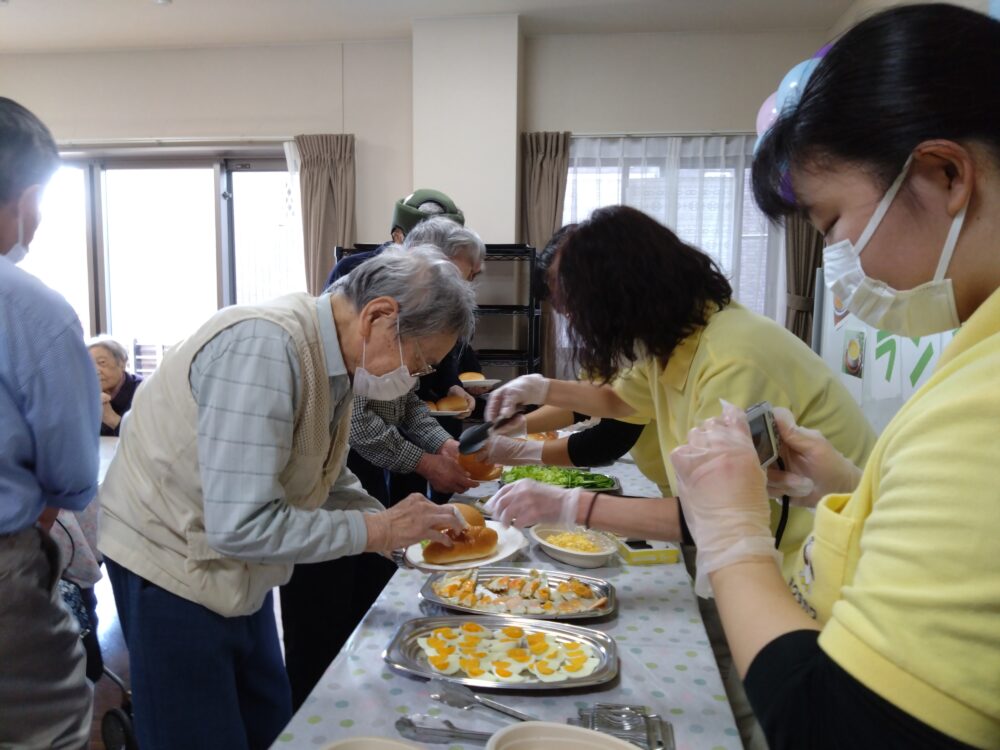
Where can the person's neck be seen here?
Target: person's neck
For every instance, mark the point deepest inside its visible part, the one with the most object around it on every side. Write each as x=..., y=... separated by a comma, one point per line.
x=345, y=320
x=121, y=381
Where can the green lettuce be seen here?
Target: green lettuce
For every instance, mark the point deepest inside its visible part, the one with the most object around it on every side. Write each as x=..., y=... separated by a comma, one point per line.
x=559, y=476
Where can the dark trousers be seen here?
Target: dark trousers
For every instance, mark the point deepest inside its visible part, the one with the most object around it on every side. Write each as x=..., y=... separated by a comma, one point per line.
x=200, y=680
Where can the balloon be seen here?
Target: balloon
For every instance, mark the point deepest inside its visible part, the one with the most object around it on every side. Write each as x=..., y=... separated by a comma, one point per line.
x=821, y=52
x=793, y=83
x=768, y=114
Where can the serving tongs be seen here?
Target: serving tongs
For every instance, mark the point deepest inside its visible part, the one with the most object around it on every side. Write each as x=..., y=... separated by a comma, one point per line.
x=474, y=438
x=459, y=696
x=423, y=728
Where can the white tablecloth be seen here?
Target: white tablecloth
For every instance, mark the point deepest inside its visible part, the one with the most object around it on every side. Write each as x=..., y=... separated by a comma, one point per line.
x=666, y=663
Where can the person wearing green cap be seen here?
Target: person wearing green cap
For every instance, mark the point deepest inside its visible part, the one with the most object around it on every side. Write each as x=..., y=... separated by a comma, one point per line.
x=406, y=214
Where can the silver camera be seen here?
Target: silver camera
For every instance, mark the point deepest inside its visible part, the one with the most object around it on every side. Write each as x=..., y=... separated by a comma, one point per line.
x=764, y=433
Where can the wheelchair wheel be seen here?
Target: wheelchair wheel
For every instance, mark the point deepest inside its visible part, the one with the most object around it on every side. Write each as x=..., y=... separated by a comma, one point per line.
x=116, y=731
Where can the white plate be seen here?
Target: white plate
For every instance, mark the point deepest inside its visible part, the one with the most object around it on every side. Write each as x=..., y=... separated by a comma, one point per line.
x=446, y=413
x=509, y=541
x=488, y=383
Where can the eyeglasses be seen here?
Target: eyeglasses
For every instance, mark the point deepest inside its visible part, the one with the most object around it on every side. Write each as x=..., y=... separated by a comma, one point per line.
x=427, y=369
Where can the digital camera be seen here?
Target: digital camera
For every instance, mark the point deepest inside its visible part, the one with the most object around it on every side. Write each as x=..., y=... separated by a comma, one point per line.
x=764, y=433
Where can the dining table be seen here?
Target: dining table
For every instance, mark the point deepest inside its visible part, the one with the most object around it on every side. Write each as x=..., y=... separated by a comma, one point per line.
x=665, y=660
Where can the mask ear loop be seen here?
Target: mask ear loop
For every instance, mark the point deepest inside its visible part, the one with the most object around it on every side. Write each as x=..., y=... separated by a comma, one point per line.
x=399, y=342
x=883, y=206
x=949, y=243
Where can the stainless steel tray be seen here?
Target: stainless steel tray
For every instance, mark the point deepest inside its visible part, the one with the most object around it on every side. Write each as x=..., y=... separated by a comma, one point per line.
x=404, y=654
x=599, y=585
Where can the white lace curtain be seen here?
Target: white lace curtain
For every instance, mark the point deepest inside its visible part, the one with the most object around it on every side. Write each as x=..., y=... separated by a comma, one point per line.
x=699, y=186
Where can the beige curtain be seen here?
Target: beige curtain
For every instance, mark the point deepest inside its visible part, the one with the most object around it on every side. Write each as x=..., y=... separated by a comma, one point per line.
x=328, y=187
x=544, y=172
x=803, y=254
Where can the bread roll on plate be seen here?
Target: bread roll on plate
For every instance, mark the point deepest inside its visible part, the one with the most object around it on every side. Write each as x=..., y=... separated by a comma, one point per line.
x=463, y=376
x=468, y=544
x=472, y=516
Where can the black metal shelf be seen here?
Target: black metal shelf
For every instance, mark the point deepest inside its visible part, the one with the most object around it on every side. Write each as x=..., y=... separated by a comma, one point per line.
x=506, y=310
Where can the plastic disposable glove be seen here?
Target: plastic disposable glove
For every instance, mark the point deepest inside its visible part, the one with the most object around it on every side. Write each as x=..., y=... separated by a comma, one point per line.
x=813, y=467
x=505, y=400
x=470, y=402
x=723, y=492
x=510, y=452
x=409, y=521
x=527, y=502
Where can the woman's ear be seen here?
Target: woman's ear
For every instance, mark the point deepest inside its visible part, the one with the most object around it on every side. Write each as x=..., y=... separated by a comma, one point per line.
x=378, y=308
x=955, y=169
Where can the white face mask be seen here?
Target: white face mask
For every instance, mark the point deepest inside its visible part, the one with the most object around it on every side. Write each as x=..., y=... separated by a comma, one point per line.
x=923, y=310
x=17, y=251
x=388, y=387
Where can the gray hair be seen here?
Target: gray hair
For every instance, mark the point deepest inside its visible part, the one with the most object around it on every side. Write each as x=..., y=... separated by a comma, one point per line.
x=28, y=154
x=452, y=238
x=432, y=295
x=116, y=350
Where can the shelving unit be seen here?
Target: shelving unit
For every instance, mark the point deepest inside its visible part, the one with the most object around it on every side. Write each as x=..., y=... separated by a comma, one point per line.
x=529, y=358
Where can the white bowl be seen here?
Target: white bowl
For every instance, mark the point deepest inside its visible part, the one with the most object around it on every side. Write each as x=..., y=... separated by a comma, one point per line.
x=546, y=735
x=573, y=557
x=371, y=743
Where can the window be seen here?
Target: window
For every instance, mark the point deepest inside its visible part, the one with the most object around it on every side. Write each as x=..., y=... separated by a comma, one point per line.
x=161, y=253
x=58, y=252
x=697, y=186
x=267, y=237
x=146, y=248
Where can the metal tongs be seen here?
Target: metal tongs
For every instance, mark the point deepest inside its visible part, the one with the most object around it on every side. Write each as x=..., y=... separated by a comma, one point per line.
x=474, y=438
x=423, y=728
x=459, y=696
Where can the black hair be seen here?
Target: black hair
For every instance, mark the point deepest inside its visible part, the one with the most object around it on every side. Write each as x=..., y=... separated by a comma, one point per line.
x=28, y=154
x=630, y=287
x=898, y=78
x=544, y=261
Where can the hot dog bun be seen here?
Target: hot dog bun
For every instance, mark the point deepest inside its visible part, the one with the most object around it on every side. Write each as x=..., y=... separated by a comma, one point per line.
x=471, y=376
x=452, y=403
x=469, y=544
x=472, y=516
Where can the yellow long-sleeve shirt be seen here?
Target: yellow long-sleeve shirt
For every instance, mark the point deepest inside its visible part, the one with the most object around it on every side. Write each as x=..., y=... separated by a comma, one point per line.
x=744, y=358
x=907, y=567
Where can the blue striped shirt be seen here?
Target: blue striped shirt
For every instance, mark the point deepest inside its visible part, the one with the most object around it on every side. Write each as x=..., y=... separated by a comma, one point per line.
x=246, y=383
x=50, y=405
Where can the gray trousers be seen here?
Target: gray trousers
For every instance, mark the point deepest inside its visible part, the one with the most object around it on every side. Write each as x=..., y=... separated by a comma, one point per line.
x=750, y=732
x=45, y=698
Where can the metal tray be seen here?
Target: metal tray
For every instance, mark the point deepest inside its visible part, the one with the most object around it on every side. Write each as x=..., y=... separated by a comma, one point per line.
x=404, y=654
x=599, y=585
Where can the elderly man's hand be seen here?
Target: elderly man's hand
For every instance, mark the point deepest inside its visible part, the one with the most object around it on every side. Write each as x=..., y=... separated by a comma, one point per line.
x=444, y=472
x=409, y=521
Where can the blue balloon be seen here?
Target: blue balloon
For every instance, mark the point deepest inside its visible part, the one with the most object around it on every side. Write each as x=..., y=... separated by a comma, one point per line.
x=795, y=80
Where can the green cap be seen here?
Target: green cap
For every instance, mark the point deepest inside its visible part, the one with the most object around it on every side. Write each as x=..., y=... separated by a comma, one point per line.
x=414, y=208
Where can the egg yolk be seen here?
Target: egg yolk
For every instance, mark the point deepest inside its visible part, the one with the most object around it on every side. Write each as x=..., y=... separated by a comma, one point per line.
x=472, y=627
x=512, y=632
x=539, y=647
x=519, y=654
x=446, y=633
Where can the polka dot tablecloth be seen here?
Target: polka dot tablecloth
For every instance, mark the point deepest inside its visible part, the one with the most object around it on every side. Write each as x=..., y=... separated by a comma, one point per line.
x=666, y=663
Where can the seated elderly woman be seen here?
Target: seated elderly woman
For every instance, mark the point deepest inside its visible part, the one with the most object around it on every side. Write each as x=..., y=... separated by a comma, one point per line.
x=232, y=469
x=117, y=384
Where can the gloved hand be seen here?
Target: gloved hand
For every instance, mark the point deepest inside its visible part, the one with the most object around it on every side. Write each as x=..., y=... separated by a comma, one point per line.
x=510, y=452
x=527, y=502
x=723, y=492
x=516, y=427
x=409, y=521
x=813, y=467
x=505, y=400
x=470, y=402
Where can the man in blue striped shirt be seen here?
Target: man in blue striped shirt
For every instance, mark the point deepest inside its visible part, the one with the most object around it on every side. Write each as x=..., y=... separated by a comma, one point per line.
x=50, y=416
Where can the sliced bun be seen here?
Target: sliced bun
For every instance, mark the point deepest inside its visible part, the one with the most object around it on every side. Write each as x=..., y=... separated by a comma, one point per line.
x=472, y=516
x=471, y=376
x=469, y=544
x=432, y=405
x=452, y=403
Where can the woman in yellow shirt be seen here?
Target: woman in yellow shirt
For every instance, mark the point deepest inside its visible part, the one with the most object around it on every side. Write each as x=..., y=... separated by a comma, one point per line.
x=893, y=152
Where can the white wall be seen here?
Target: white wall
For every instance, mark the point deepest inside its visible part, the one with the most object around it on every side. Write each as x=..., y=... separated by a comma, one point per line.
x=656, y=83
x=465, y=117
x=240, y=92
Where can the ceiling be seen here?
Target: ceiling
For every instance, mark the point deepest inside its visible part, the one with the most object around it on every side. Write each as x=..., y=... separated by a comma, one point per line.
x=63, y=25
